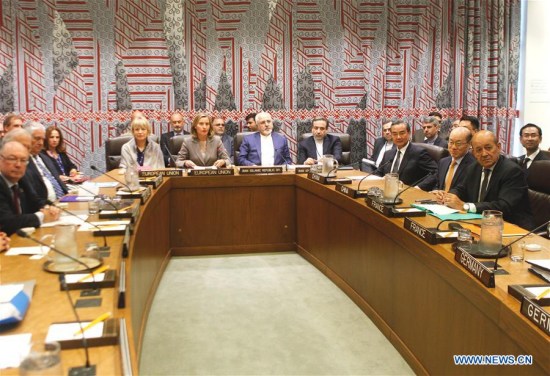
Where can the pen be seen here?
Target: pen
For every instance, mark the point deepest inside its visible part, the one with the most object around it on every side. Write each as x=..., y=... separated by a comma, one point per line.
x=543, y=294
x=95, y=272
x=99, y=319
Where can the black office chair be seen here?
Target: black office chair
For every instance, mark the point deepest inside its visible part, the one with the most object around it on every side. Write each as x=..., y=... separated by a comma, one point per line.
x=174, y=145
x=345, y=139
x=539, y=192
x=113, y=150
x=436, y=152
x=237, y=141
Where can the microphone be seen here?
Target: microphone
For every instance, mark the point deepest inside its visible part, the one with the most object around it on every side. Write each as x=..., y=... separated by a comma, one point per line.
x=105, y=247
x=87, y=369
x=506, y=247
x=372, y=172
x=412, y=185
x=93, y=167
x=455, y=226
x=170, y=156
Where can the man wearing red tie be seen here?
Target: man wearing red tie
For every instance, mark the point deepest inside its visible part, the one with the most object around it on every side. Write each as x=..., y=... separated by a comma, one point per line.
x=451, y=170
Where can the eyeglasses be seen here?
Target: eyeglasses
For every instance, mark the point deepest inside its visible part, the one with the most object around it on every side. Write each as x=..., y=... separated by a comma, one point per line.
x=457, y=143
x=14, y=160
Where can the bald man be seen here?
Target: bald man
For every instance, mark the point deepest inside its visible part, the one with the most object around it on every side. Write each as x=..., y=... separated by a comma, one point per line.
x=176, y=124
x=493, y=183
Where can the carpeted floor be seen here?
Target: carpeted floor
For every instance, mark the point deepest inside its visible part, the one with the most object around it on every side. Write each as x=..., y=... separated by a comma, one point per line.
x=259, y=314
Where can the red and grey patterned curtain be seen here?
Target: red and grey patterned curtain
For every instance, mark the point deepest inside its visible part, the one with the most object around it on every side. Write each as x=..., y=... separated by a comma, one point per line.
x=85, y=65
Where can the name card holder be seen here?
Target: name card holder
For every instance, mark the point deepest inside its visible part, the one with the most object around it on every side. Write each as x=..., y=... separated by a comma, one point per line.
x=391, y=211
x=108, y=281
x=126, y=243
x=302, y=170
x=520, y=291
x=536, y=314
x=211, y=172
x=429, y=235
x=327, y=180
x=255, y=170
x=176, y=172
x=124, y=209
x=113, y=230
x=153, y=181
x=350, y=191
x=109, y=336
x=141, y=194
x=475, y=267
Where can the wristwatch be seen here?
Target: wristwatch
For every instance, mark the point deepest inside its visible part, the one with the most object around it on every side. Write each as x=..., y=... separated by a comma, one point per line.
x=467, y=207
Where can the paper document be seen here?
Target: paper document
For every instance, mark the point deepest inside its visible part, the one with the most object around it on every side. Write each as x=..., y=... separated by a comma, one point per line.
x=437, y=208
x=105, y=225
x=545, y=264
x=105, y=184
x=77, y=278
x=13, y=348
x=66, y=331
x=66, y=220
x=35, y=250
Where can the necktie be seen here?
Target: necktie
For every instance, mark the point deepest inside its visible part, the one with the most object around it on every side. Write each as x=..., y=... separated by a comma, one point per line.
x=48, y=175
x=16, y=202
x=450, y=175
x=484, y=184
x=524, y=163
x=395, y=167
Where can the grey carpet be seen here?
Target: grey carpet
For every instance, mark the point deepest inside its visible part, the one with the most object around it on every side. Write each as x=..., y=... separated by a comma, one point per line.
x=260, y=314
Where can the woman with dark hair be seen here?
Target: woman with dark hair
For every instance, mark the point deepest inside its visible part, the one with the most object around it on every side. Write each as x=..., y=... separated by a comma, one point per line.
x=202, y=147
x=54, y=147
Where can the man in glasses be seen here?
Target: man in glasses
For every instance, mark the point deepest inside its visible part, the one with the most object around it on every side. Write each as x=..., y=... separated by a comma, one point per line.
x=451, y=170
x=19, y=205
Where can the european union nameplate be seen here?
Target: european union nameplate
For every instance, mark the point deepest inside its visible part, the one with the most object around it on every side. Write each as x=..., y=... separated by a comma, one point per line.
x=211, y=172
x=165, y=173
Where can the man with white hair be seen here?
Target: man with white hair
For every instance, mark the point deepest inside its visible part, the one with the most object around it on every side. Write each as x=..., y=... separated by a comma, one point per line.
x=264, y=148
x=40, y=171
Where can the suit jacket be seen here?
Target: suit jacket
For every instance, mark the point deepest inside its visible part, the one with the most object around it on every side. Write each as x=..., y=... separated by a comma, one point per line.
x=415, y=164
x=440, y=142
x=191, y=151
x=460, y=172
x=10, y=222
x=68, y=165
x=227, y=142
x=34, y=177
x=540, y=157
x=165, y=145
x=251, y=150
x=506, y=192
x=378, y=147
x=308, y=149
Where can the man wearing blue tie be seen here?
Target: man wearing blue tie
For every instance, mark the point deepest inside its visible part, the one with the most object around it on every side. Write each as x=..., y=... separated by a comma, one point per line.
x=264, y=148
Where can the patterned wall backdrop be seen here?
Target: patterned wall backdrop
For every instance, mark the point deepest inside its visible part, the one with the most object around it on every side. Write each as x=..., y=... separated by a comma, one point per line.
x=84, y=65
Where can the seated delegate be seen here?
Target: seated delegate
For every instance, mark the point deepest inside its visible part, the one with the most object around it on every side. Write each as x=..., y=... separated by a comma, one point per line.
x=141, y=150
x=54, y=149
x=19, y=204
x=202, y=147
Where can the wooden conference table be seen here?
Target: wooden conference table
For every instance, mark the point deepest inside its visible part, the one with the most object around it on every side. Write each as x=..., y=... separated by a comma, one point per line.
x=428, y=306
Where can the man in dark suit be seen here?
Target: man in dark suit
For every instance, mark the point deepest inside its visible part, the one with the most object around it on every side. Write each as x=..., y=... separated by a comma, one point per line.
x=451, y=170
x=381, y=145
x=19, y=205
x=430, y=126
x=265, y=147
x=176, y=124
x=493, y=183
x=41, y=172
x=312, y=149
x=411, y=162
x=530, y=136
x=218, y=125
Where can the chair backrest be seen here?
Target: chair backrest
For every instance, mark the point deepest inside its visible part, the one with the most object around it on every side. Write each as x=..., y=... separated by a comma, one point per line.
x=418, y=135
x=174, y=145
x=345, y=139
x=539, y=191
x=237, y=141
x=113, y=149
x=436, y=152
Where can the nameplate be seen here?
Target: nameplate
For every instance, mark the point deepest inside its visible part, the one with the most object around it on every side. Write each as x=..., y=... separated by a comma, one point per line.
x=260, y=170
x=165, y=173
x=475, y=267
x=420, y=231
x=211, y=172
x=143, y=195
x=536, y=314
x=302, y=170
x=378, y=206
x=153, y=181
x=350, y=191
x=126, y=243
